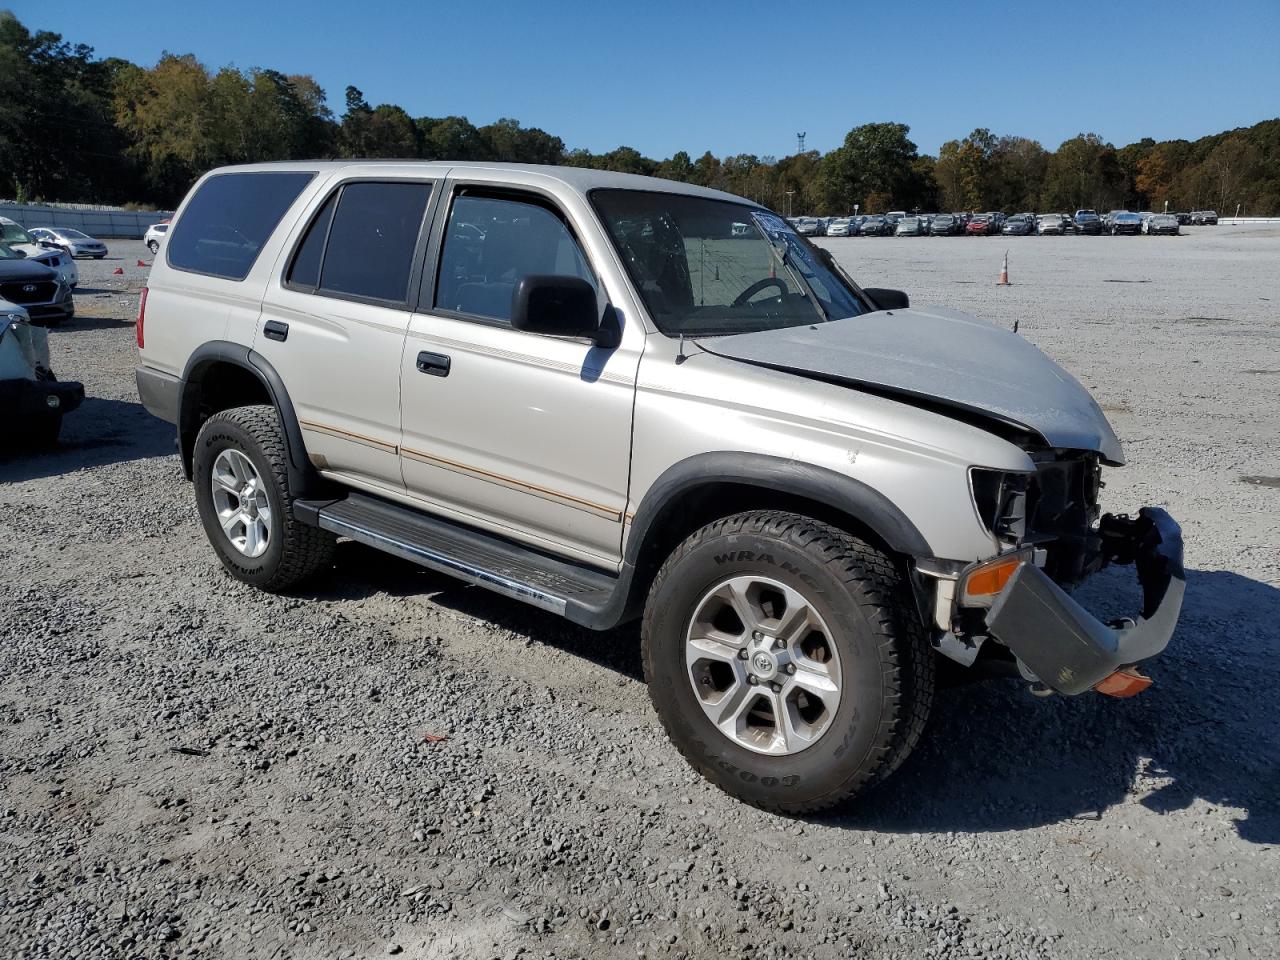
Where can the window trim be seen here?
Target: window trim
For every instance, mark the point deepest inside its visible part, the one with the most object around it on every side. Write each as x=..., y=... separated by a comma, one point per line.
x=412, y=290
x=311, y=176
x=520, y=193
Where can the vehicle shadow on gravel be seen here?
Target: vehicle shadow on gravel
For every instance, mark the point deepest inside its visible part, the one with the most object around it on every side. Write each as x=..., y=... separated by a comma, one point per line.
x=996, y=758
x=100, y=432
x=80, y=324
x=361, y=571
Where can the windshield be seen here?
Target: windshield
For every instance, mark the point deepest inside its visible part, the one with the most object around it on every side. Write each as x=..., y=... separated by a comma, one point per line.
x=8, y=253
x=698, y=278
x=12, y=233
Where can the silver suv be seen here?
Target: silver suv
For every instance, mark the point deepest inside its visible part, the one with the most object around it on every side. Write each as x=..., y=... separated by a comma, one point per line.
x=600, y=395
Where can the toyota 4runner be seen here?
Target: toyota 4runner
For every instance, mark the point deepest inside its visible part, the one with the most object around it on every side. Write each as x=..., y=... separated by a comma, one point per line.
x=600, y=395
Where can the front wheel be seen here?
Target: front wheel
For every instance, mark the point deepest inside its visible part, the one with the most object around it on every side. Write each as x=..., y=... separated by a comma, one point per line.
x=244, y=501
x=153, y=246
x=786, y=660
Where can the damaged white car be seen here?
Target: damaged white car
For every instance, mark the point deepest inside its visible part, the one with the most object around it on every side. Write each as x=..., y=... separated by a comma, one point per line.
x=32, y=399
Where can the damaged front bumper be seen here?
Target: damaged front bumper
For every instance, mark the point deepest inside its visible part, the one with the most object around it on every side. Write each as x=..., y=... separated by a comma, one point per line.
x=1064, y=646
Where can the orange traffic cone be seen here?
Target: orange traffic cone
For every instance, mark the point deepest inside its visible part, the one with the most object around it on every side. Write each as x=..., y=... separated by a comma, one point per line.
x=1004, y=272
x=118, y=270
x=143, y=263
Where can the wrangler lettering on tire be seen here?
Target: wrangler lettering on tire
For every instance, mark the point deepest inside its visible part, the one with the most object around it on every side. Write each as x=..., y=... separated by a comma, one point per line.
x=785, y=659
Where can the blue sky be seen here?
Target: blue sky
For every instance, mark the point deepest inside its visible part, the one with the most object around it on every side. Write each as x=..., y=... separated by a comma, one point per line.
x=740, y=77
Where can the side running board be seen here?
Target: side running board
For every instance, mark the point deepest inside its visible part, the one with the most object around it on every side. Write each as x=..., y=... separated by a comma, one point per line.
x=584, y=595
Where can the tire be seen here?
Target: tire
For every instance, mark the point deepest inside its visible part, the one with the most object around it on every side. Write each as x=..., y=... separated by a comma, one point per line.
x=153, y=247
x=878, y=656
x=293, y=551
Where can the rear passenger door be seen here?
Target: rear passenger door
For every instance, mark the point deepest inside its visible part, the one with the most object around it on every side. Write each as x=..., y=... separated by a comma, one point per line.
x=523, y=433
x=334, y=319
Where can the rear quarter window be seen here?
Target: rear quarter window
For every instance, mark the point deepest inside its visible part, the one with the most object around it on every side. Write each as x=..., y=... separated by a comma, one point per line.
x=230, y=218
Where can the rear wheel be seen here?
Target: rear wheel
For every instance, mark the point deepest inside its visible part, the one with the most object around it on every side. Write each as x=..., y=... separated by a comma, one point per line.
x=246, y=507
x=786, y=660
x=153, y=246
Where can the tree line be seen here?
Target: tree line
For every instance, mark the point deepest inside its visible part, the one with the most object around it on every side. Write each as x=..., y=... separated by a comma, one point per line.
x=81, y=129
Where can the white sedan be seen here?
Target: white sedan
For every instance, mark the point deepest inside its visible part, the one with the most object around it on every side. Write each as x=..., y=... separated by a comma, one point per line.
x=73, y=241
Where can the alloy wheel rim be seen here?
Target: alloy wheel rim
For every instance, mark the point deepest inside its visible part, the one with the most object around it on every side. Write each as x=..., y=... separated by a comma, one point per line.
x=241, y=503
x=763, y=665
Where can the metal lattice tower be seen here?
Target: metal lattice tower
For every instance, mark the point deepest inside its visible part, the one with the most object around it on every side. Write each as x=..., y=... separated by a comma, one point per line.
x=799, y=143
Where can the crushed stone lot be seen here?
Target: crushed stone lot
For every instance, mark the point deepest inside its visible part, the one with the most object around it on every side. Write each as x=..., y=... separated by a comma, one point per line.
x=389, y=762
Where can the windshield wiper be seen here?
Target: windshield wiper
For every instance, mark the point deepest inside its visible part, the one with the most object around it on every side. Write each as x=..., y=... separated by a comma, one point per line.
x=784, y=257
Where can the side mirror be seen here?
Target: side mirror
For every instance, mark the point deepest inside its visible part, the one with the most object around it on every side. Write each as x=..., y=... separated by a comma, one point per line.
x=556, y=306
x=887, y=299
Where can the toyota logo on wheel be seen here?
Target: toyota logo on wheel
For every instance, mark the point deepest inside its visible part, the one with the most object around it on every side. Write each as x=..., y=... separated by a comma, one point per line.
x=763, y=663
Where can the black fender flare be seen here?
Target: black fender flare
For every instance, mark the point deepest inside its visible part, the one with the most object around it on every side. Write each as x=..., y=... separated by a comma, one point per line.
x=302, y=475
x=851, y=497
x=846, y=494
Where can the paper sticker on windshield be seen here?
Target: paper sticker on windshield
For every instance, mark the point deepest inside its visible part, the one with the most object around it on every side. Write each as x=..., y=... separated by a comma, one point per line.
x=772, y=224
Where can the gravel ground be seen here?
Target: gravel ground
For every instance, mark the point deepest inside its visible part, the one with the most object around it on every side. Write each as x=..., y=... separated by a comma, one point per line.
x=392, y=763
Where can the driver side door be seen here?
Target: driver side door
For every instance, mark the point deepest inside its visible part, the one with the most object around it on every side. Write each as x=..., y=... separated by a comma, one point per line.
x=525, y=434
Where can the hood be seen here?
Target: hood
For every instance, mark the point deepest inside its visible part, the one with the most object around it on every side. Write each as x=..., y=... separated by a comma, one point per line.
x=26, y=270
x=939, y=356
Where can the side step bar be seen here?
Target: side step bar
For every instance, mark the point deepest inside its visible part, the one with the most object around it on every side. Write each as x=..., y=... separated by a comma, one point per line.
x=584, y=595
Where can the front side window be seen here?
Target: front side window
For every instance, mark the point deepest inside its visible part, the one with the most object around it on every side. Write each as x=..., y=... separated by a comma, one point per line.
x=224, y=226
x=491, y=242
x=698, y=277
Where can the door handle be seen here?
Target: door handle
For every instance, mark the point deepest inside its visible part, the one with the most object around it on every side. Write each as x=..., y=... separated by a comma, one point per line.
x=275, y=330
x=433, y=364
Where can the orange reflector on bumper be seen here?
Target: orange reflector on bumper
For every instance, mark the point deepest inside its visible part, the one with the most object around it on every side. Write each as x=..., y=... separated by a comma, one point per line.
x=1123, y=683
x=982, y=584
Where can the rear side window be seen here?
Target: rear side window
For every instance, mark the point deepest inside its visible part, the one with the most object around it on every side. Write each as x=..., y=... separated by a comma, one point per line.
x=361, y=242
x=490, y=243
x=224, y=226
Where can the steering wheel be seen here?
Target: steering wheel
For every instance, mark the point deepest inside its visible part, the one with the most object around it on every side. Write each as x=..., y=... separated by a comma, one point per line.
x=759, y=285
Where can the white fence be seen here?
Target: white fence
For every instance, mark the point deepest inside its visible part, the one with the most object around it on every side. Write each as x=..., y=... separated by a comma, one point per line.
x=104, y=222
x=1244, y=221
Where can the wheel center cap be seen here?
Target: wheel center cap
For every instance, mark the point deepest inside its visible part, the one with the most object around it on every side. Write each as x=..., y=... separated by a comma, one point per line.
x=763, y=665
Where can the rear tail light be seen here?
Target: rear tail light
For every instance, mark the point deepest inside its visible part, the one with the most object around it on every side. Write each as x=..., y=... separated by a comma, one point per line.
x=142, y=316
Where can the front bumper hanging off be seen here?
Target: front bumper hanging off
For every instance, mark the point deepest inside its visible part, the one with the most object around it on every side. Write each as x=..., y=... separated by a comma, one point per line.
x=1065, y=646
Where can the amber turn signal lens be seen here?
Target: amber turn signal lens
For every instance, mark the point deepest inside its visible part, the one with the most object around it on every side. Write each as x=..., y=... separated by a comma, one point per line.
x=987, y=581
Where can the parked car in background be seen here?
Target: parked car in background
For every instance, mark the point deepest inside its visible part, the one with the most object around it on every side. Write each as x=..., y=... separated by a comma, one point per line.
x=32, y=399
x=841, y=227
x=876, y=225
x=72, y=241
x=1087, y=222
x=1122, y=222
x=910, y=227
x=1051, y=224
x=980, y=225
x=809, y=227
x=944, y=225
x=1019, y=225
x=1165, y=223
x=1204, y=218
x=35, y=286
x=155, y=233
x=43, y=252
x=1184, y=218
